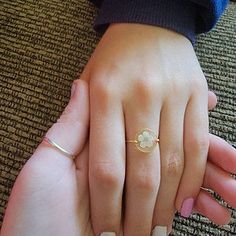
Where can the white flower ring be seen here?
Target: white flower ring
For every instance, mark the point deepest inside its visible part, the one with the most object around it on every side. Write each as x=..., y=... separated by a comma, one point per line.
x=145, y=141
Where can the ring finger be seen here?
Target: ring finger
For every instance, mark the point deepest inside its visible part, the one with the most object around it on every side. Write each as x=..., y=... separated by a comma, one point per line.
x=172, y=162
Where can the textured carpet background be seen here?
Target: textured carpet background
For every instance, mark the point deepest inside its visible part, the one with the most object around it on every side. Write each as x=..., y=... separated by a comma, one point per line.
x=43, y=44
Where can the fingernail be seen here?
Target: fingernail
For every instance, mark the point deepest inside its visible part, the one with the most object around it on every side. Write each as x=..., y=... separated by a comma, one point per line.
x=159, y=231
x=73, y=88
x=108, y=234
x=187, y=207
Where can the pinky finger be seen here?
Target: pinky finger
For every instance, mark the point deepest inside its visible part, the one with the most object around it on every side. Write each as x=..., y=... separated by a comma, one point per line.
x=208, y=206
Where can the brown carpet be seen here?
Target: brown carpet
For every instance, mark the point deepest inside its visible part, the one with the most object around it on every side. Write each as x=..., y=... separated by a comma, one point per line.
x=43, y=44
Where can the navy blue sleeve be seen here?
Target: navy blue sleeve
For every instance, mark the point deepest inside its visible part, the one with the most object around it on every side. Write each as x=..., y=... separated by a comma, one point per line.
x=187, y=17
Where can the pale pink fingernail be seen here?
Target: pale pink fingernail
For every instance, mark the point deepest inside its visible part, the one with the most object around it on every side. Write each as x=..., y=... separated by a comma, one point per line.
x=187, y=207
x=73, y=88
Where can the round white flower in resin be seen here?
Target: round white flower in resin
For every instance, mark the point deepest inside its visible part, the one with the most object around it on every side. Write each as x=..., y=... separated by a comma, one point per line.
x=146, y=140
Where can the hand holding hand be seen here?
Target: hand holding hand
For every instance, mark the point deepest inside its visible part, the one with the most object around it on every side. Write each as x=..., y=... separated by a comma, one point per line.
x=51, y=196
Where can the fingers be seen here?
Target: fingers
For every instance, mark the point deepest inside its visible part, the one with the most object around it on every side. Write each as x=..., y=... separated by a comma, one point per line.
x=221, y=161
x=206, y=205
x=106, y=160
x=221, y=182
x=47, y=184
x=172, y=163
x=196, y=139
x=142, y=170
x=71, y=129
x=222, y=154
x=212, y=100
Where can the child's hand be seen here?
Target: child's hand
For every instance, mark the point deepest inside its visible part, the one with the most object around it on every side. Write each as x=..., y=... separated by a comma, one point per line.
x=145, y=77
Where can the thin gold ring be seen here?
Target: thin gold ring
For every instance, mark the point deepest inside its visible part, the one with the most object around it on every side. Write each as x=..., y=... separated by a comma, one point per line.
x=58, y=147
x=145, y=140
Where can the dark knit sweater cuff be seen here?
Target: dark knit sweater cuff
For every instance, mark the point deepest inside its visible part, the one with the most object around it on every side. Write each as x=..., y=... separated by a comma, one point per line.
x=176, y=15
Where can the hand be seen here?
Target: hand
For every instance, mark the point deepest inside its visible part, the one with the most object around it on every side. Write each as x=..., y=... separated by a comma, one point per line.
x=144, y=76
x=50, y=184
x=221, y=162
x=50, y=195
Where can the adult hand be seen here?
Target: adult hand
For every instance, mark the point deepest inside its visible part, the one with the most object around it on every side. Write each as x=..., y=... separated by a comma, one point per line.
x=50, y=195
x=139, y=77
x=143, y=76
x=221, y=163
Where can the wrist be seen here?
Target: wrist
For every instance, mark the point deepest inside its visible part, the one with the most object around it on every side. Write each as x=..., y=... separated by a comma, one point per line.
x=148, y=32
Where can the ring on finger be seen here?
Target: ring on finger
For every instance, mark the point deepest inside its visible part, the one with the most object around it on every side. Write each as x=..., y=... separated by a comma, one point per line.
x=58, y=147
x=145, y=140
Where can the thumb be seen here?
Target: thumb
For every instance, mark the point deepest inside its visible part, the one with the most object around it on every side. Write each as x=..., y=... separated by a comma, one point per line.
x=70, y=131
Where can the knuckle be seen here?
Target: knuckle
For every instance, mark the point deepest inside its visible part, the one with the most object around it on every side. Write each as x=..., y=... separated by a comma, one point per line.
x=173, y=164
x=105, y=175
x=145, y=90
x=144, y=86
x=199, y=83
x=176, y=86
x=146, y=181
x=103, y=94
x=101, y=87
x=104, y=81
x=199, y=143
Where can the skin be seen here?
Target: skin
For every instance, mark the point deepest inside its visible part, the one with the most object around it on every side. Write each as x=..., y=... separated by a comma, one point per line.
x=144, y=76
x=51, y=193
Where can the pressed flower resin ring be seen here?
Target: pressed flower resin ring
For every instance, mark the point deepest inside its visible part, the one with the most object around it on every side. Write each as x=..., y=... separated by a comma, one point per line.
x=145, y=140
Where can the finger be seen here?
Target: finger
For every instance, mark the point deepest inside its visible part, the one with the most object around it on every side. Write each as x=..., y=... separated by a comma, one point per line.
x=196, y=139
x=71, y=129
x=212, y=100
x=221, y=182
x=143, y=169
x=172, y=162
x=222, y=154
x=106, y=160
x=70, y=132
x=206, y=205
x=43, y=181
x=85, y=75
